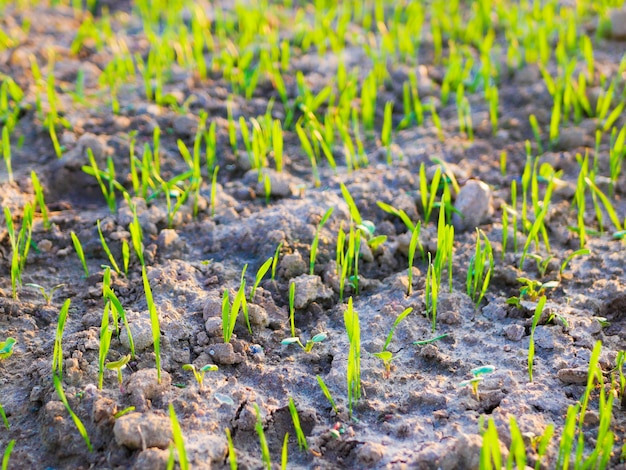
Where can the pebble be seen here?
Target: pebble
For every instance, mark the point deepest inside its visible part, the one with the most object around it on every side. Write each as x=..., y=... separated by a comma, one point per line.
x=475, y=203
x=152, y=459
x=571, y=138
x=257, y=316
x=369, y=454
x=185, y=125
x=223, y=353
x=514, y=332
x=137, y=430
x=572, y=376
x=169, y=242
x=310, y=288
x=292, y=265
x=143, y=385
x=617, y=17
x=141, y=330
x=544, y=337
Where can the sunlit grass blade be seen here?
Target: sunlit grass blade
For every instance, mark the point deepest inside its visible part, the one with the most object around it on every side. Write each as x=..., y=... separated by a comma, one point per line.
x=77, y=422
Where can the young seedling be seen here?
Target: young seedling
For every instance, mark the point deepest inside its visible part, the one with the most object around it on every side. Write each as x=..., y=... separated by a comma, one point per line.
x=259, y=276
x=353, y=376
x=232, y=457
x=7, y=455
x=154, y=322
x=6, y=348
x=531, y=289
x=385, y=355
x=118, y=366
x=326, y=393
x=323, y=220
x=477, y=279
x=79, y=252
x=265, y=451
x=46, y=293
x=412, y=245
x=318, y=338
x=77, y=422
x=107, y=250
x=6, y=151
x=478, y=375
x=531, y=345
x=5, y=420
x=275, y=260
x=105, y=342
x=39, y=197
x=179, y=442
x=302, y=444
x=57, y=354
x=20, y=245
x=199, y=373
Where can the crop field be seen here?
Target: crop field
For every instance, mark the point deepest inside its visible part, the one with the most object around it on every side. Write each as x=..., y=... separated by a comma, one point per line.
x=321, y=234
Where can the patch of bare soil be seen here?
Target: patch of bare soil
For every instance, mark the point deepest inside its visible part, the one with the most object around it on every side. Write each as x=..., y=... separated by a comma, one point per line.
x=413, y=416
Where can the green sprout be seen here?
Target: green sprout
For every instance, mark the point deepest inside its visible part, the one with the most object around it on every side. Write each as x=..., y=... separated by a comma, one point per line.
x=39, y=197
x=57, y=354
x=259, y=276
x=265, y=451
x=77, y=422
x=302, y=444
x=385, y=355
x=7, y=455
x=326, y=393
x=353, y=376
x=46, y=293
x=79, y=252
x=107, y=250
x=232, y=457
x=154, y=321
x=478, y=374
x=318, y=338
x=6, y=348
x=179, y=442
x=531, y=346
x=477, y=278
x=199, y=373
x=6, y=151
x=4, y=418
x=323, y=220
x=118, y=366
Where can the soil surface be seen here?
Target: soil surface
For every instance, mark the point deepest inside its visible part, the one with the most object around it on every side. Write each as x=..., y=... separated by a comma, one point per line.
x=413, y=416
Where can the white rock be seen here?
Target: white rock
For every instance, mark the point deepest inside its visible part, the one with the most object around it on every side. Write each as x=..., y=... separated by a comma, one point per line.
x=475, y=203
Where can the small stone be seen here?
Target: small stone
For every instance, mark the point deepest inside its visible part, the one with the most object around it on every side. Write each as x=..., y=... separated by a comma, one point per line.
x=212, y=306
x=292, y=265
x=138, y=431
x=475, y=204
x=617, y=18
x=213, y=326
x=143, y=385
x=310, y=288
x=97, y=146
x=572, y=376
x=223, y=353
x=544, y=337
x=257, y=315
x=152, y=459
x=369, y=454
x=571, y=138
x=45, y=245
x=141, y=331
x=169, y=242
x=185, y=125
x=514, y=332
x=280, y=184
